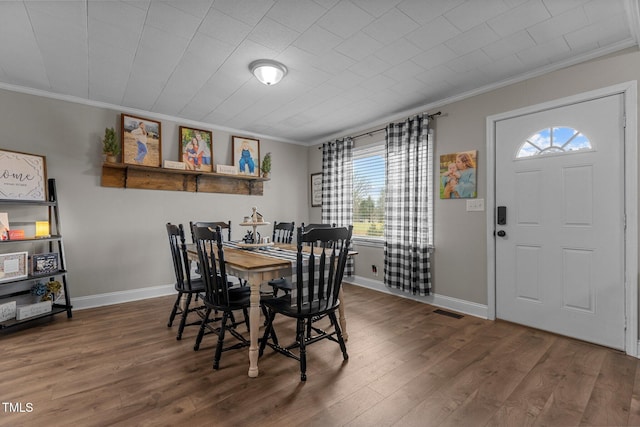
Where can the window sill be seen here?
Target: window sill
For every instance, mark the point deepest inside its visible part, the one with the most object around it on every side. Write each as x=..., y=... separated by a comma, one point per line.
x=363, y=241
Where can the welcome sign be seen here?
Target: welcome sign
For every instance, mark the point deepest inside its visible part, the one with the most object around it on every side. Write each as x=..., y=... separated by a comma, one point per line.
x=22, y=176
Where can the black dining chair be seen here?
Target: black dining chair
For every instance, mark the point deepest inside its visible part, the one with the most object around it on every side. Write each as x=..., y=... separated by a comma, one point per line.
x=186, y=286
x=317, y=288
x=282, y=233
x=219, y=297
x=213, y=224
x=224, y=226
x=283, y=284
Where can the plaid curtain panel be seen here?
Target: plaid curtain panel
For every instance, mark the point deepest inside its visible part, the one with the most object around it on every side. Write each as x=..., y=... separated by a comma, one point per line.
x=408, y=206
x=337, y=186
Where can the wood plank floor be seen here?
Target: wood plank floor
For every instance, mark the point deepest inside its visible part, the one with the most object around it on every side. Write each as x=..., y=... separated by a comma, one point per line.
x=409, y=366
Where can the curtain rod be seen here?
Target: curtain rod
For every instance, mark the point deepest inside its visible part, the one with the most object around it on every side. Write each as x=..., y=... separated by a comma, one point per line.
x=429, y=116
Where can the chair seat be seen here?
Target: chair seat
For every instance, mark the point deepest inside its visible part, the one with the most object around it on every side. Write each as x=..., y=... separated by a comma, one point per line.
x=197, y=286
x=239, y=298
x=281, y=283
x=283, y=306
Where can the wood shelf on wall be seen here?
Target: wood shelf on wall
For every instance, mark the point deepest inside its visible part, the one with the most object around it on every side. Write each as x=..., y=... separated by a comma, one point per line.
x=120, y=175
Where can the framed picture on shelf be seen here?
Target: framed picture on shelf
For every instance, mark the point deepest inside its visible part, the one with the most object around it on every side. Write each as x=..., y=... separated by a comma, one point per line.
x=196, y=148
x=141, y=141
x=24, y=176
x=246, y=155
x=316, y=190
x=13, y=266
x=44, y=263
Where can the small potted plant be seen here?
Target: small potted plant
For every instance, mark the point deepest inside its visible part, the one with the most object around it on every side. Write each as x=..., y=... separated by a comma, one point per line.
x=110, y=145
x=266, y=165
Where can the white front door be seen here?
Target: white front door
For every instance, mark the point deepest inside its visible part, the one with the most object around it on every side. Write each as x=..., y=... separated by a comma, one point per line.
x=560, y=253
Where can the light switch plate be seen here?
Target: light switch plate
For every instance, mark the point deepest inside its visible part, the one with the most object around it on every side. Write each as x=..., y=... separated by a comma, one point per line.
x=475, y=205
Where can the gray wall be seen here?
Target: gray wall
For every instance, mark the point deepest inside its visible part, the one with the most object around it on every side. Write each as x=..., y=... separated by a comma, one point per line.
x=460, y=258
x=115, y=240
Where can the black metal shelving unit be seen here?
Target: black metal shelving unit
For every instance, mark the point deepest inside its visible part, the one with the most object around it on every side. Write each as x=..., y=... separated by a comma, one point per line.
x=13, y=288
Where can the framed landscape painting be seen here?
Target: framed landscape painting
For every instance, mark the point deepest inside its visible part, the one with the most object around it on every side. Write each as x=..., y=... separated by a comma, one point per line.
x=246, y=155
x=141, y=141
x=196, y=148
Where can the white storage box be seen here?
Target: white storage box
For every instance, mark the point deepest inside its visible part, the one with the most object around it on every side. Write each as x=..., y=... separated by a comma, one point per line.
x=7, y=311
x=26, y=311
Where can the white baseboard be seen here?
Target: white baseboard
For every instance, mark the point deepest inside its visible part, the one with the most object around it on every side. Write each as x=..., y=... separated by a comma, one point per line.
x=455, y=304
x=110, y=298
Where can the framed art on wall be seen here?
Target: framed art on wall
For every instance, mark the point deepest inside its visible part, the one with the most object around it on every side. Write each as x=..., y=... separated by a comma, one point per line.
x=246, y=155
x=22, y=176
x=196, y=148
x=316, y=189
x=141, y=141
x=458, y=175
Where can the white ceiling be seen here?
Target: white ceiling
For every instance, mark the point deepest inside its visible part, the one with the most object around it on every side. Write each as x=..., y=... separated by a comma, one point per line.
x=351, y=63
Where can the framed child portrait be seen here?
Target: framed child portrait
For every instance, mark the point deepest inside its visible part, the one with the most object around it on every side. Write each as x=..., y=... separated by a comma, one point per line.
x=246, y=155
x=141, y=141
x=196, y=148
x=458, y=175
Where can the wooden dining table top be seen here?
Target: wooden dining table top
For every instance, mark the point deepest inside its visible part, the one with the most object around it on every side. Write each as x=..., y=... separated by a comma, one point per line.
x=254, y=259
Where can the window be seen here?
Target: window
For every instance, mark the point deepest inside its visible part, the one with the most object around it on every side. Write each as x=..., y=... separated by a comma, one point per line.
x=552, y=141
x=369, y=192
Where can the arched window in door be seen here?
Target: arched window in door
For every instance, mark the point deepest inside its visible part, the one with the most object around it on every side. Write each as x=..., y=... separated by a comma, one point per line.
x=554, y=140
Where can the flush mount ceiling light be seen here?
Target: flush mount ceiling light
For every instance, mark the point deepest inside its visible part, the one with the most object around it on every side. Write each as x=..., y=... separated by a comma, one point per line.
x=267, y=71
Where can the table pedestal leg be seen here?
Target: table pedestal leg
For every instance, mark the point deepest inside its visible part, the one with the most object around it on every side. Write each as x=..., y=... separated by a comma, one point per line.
x=254, y=325
x=341, y=316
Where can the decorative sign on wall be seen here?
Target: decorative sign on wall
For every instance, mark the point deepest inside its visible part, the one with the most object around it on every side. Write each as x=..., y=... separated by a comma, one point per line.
x=316, y=189
x=22, y=176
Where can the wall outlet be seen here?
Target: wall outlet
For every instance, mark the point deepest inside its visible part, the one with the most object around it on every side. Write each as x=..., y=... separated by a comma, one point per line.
x=475, y=205
x=374, y=270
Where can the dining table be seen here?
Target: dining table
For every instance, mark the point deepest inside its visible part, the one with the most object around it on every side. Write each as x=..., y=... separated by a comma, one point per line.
x=258, y=266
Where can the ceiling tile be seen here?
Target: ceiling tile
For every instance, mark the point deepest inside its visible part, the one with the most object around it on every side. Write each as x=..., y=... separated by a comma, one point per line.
x=345, y=19
x=398, y=51
x=370, y=66
x=296, y=14
x=404, y=70
x=556, y=7
x=390, y=27
x=376, y=8
x=472, y=39
x=196, y=8
x=473, y=13
x=524, y=16
x=248, y=11
x=359, y=46
x=468, y=62
x=316, y=40
x=424, y=12
x=224, y=27
x=438, y=31
x=564, y=23
x=172, y=20
x=509, y=45
x=273, y=35
x=434, y=57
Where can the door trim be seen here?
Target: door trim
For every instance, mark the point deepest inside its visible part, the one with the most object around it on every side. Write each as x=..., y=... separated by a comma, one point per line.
x=629, y=92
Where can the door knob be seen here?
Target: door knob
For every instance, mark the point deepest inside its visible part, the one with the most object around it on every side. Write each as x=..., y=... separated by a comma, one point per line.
x=502, y=233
